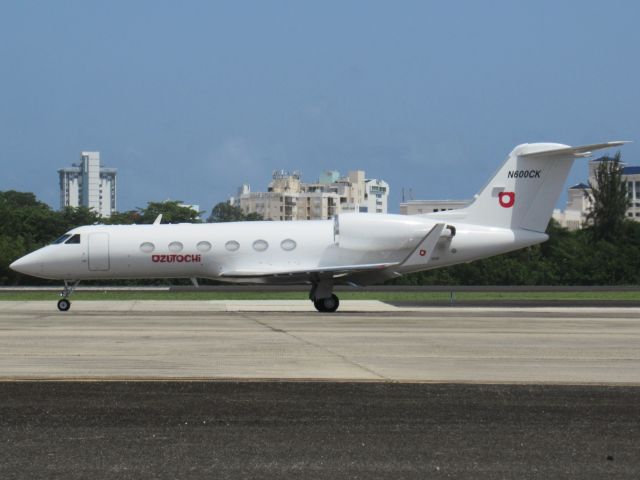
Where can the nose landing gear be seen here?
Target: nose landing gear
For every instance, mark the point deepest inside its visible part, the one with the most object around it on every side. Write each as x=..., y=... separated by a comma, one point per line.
x=64, y=303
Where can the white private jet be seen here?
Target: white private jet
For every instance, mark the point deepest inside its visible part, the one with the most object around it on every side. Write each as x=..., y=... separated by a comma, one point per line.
x=510, y=212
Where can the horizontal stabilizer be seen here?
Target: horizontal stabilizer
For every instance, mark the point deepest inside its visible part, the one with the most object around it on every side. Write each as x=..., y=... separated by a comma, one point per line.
x=582, y=151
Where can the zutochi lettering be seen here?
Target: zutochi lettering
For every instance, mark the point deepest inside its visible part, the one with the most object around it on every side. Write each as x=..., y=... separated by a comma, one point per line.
x=524, y=174
x=176, y=258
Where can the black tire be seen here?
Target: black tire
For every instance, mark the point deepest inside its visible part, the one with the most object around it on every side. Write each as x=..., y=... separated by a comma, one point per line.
x=64, y=304
x=319, y=305
x=329, y=304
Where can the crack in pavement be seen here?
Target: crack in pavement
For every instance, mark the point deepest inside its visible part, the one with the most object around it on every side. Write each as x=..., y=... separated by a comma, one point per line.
x=318, y=346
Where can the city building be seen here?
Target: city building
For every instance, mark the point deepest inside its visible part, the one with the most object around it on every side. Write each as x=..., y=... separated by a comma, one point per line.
x=574, y=216
x=289, y=198
x=88, y=184
x=632, y=177
x=417, y=207
x=578, y=205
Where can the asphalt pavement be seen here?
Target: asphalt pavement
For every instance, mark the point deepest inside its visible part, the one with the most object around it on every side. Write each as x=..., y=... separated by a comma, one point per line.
x=282, y=430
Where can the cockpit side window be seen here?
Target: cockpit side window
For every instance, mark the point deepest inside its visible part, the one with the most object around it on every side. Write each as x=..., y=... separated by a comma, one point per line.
x=61, y=239
x=73, y=239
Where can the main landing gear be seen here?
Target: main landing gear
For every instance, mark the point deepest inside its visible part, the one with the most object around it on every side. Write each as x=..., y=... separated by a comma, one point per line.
x=64, y=304
x=323, y=298
x=326, y=305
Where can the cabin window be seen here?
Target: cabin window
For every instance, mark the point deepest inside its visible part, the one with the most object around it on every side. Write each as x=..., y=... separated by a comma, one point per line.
x=175, y=247
x=147, y=247
x=75, y=239
x=61, y=239
x=288, y=244
x=260, y=245
x=232, y=245
x=203, y=246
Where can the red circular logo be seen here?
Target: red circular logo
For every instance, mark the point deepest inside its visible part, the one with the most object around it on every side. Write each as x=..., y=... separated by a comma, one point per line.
x=423, y=253
x=507, y=199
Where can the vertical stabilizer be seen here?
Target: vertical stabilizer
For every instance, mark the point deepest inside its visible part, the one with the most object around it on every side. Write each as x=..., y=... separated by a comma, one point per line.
x=525, y=189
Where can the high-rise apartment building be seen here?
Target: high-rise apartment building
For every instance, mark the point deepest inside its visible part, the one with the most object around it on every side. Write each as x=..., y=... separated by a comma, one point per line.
x=88, y=184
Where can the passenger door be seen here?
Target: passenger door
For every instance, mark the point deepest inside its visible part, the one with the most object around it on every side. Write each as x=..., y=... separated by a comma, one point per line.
x=99, y=252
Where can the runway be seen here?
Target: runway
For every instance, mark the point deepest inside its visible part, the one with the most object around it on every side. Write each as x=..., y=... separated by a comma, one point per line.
x=276, y=390
x=366, y=341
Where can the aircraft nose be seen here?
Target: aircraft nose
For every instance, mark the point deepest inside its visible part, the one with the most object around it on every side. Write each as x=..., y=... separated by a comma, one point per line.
x=29, y=265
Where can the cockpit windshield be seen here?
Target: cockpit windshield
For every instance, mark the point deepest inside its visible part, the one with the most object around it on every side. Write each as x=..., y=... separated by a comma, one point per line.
x=73, y=239
x=61, y=239
x=68, y=238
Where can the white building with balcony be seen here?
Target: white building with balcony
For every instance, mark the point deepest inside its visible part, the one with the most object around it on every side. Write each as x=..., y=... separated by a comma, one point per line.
x=289, y=198
x=417, y=207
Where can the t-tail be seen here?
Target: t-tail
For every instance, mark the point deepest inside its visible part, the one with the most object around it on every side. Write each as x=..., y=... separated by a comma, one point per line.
x=525, y=189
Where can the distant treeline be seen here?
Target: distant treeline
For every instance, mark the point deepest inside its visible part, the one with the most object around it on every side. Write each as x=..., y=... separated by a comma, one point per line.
x=584, y=257
x=607, y=252
x=567, y=258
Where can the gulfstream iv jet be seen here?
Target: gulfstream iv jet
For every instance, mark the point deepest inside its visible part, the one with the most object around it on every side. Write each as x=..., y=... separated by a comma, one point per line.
x=510, y=212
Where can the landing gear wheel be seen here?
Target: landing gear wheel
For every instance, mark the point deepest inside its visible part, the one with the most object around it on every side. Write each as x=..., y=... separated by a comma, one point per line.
x=327, y=305
x=319, y=304
x=64, y=305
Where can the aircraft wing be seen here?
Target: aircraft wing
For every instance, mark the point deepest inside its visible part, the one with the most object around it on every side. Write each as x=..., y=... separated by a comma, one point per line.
x=582, y=151
x=334, y=272
x=419, y=256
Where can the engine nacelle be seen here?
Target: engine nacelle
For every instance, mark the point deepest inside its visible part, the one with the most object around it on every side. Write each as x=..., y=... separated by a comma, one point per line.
x=367, y=232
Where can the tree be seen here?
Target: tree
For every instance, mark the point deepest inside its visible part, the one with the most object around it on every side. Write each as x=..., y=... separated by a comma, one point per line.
x=172, y=212
x=72, y=217
x=609, y=199
x=11, y=248
x=225, y=212
x=26, y=217
x=124, y=218
x=27, y=224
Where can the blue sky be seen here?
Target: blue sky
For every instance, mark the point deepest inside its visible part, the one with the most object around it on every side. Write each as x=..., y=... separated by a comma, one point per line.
x=190, y=99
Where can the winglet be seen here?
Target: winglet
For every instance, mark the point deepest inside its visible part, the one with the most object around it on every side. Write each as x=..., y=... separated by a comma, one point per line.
x=424, y=251
x=158, y=220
